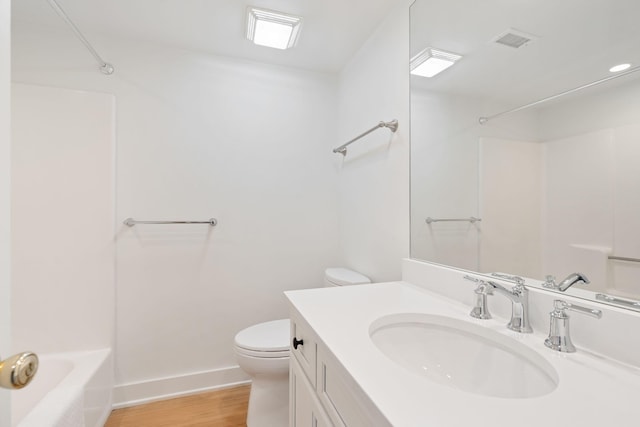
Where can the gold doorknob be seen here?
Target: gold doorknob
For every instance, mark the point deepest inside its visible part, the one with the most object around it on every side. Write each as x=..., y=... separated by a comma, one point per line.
x=18, y=370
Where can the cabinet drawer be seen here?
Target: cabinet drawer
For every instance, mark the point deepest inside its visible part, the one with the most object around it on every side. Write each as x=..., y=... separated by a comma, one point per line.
x=305, y=347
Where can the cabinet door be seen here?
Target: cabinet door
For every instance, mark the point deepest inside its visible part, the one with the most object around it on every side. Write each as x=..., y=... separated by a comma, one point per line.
x=304, y=407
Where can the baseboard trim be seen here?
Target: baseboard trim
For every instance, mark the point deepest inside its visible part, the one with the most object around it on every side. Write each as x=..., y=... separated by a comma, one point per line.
x=132, y=394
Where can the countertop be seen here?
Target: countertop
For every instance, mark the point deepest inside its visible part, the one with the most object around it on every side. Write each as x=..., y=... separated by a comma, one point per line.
x=592, y=390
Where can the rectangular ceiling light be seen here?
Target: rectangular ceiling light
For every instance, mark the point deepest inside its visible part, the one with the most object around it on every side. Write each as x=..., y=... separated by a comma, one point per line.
x=272, y=29
x=430, y=62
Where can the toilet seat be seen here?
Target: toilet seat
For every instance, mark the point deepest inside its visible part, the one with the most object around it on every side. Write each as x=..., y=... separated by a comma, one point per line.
x=264, y=340
x=339, y=276
x=262, y=354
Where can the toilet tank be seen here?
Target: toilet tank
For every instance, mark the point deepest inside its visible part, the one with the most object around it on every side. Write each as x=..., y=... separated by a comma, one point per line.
x=338, y=276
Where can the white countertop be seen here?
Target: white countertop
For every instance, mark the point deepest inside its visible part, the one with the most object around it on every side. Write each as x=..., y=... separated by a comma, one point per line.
x=592, y=390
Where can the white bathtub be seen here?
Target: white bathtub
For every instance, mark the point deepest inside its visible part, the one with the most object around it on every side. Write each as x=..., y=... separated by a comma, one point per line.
x=69, y=390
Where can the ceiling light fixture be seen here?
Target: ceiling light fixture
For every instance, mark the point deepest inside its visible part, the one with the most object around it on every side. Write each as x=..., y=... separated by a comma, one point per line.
x=619, y=67
x=272, y=29
x=430, y=62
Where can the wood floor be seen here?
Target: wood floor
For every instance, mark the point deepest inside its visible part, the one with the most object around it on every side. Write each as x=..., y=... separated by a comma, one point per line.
x=223, y=408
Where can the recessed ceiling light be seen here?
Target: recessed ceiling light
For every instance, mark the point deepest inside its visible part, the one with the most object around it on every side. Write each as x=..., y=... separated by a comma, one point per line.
x=619, y=67
x=272, y=29
x=430, y=62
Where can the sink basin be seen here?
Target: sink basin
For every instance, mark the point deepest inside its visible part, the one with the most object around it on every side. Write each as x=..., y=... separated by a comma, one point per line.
x=463, y=355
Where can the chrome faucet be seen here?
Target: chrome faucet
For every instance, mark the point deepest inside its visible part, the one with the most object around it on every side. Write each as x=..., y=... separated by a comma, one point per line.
x=519, y=297
x=571, y=280
x=559, y=338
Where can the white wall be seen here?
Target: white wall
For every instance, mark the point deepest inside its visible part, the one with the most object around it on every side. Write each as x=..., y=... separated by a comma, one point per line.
x=444, y=177
x=5, y=191
x=62, y=219
x=200, y=136
x=374, y=176
x=511, y=186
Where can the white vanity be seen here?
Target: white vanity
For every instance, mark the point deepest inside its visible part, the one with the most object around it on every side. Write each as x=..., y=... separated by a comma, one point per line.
x=401, y=354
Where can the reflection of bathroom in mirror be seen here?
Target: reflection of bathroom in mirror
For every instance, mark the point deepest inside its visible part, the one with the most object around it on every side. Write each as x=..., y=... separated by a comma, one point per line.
x=555, y=186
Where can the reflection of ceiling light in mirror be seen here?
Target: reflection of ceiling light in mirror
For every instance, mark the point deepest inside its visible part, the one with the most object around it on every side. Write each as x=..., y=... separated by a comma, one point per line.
x=430, y=62
x=272, y=29
x=619, y=67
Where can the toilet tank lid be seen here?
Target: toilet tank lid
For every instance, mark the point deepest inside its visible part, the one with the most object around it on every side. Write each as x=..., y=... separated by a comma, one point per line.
x=344, y=276
x=267, y=336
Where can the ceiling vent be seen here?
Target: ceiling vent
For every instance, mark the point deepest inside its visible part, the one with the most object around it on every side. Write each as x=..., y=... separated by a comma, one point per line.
x=514, y=38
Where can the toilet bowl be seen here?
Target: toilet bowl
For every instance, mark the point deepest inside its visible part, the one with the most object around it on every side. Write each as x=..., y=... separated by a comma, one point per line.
x=262, y=351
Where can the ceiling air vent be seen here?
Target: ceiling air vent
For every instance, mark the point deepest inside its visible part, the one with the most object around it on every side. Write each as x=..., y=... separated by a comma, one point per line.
x=514, y=38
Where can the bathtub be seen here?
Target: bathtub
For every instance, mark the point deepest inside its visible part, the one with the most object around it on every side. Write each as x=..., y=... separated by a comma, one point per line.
x=69, y=390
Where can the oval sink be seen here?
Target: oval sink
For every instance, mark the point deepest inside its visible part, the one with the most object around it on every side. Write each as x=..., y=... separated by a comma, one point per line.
x=462, y=355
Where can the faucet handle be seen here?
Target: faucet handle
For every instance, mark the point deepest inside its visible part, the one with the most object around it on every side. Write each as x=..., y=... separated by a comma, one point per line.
x=481, y=309
x=560, y=305
x=471, y=278
x=516, y=279
x=559, y=338
x=550, y=282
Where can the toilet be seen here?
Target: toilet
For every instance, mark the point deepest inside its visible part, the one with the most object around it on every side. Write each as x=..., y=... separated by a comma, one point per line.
x=262, y=351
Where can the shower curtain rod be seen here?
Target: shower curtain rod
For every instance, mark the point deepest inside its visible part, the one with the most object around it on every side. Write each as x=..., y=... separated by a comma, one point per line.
x=105, y=67
x=484, y=120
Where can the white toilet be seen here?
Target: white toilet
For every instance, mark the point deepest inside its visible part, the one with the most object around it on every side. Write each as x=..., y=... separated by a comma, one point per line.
x=262, y=351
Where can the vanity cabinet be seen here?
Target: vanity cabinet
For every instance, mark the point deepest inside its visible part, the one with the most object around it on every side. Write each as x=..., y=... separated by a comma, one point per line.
x=321, y=393
x=351, y=375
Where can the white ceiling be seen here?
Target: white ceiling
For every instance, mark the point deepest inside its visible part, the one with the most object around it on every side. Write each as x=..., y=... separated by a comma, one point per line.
x=332, y=30
x=579, y=40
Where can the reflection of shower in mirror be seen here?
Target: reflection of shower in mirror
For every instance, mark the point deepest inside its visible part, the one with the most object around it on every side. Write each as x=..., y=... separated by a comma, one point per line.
x=554, y=183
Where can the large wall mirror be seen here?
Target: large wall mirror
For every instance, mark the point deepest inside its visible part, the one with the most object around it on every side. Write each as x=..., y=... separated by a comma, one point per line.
x=525, y=147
